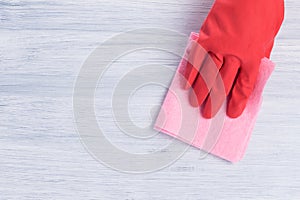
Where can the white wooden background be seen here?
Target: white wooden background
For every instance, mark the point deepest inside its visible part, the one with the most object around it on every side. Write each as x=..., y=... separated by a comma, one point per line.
x=42, y=47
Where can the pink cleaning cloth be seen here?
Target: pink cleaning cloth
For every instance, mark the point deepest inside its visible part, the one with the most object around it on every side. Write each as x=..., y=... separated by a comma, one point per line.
x=221, y=136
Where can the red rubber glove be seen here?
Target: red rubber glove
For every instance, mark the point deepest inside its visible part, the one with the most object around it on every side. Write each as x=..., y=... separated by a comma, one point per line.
x=237, y=34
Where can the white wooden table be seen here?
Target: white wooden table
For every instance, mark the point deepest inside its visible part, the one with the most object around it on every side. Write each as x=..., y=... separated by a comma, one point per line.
x=43, y=45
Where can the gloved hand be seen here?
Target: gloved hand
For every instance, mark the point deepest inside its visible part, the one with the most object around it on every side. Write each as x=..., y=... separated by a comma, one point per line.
x=234, y=38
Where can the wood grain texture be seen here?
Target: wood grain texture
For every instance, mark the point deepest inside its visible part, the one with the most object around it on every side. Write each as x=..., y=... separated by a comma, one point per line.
x=42, y=47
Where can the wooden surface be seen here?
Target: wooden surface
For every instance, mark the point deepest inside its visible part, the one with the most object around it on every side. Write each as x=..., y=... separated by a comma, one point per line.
x=43, y=45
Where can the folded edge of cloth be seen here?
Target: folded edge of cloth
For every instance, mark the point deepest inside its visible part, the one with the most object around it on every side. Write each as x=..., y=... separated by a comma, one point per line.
x=221, y=136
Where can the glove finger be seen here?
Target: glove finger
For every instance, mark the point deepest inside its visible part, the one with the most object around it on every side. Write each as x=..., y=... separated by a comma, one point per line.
x=241, y=92
x=221, y=87
x=205, y=79
x=190, y=75
x=199, y=92
x=195, y=57
x=229, y=72
x=215, y=99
